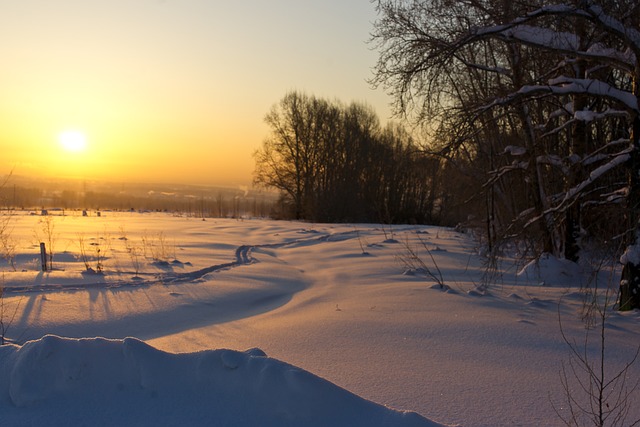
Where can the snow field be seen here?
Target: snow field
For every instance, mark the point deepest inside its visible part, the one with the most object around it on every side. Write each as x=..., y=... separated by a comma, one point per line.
x=307, y=294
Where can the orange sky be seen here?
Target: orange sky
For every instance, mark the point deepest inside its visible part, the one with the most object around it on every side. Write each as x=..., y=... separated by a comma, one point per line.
x=168, y=91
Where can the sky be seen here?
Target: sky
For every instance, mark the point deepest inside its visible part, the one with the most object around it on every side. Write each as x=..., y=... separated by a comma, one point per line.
x=165, y=90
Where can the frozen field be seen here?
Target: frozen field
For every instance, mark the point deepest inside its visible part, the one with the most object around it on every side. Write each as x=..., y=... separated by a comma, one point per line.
x=332, y=306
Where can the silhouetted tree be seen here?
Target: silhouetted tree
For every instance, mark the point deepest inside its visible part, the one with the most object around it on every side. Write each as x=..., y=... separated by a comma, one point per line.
x=335, y=163
x=547, y=94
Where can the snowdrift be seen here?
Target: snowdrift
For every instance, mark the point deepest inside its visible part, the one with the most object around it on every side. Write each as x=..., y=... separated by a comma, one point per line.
x=98, y=381
x=330, y=299
x=549, y=270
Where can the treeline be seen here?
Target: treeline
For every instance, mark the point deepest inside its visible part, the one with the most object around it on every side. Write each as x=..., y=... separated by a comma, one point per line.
x=334, y=162
x=209, y=203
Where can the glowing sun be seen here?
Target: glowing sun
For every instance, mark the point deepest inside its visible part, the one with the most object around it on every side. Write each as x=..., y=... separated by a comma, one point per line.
x=73, y=141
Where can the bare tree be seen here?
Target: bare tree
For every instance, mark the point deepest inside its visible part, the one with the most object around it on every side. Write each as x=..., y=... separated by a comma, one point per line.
x=7, y=313
x=288, y=158
x=335, y=163
x=594, y=393
x=561, y=78
x=7, y=316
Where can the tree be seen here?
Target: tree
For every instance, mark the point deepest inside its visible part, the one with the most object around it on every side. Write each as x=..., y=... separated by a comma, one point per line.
x=288, y=158
x=334, y=162
x=562, y=79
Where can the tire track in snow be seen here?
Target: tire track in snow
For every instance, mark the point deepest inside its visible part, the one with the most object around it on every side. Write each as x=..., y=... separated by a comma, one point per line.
x=243, y=256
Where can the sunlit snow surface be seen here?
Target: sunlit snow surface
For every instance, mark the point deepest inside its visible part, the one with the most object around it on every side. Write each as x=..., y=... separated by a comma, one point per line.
x=333, y=318
x=127, y=382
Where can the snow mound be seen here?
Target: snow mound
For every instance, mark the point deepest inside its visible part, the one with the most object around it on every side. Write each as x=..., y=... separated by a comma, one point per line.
x=67, y=381
x=550, y=270
x=631, y=255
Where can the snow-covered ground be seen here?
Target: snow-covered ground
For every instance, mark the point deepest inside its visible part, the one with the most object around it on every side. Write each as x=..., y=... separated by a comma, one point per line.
x=257, y=322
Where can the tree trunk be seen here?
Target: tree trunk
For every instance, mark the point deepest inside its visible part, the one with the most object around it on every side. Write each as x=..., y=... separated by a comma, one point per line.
x=629, y=286
x=572, y=233
x=573, y=213
x=535, y=175
x=578, y=146
x=630, y=279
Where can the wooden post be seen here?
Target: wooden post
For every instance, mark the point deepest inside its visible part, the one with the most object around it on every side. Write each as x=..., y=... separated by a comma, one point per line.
x=43, y=256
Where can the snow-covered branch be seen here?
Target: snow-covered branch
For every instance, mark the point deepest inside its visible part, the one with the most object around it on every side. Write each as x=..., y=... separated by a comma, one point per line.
x=498, y=174
x=549, y=39
x=554, y=160
x=569, y=86
x=611, y=25
x=574, y=193
x=564, y=42
x=617, y=160
x=586, y=116
x=597, y=155
x=566, y=85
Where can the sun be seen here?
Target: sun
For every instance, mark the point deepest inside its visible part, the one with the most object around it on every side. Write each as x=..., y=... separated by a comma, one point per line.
x=73, y=141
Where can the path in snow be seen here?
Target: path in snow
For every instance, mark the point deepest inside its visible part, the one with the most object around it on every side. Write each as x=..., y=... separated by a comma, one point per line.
x=167, y=304
x=242, y=257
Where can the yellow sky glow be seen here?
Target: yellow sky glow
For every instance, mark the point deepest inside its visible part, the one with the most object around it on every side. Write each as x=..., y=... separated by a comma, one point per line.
x=168, y=91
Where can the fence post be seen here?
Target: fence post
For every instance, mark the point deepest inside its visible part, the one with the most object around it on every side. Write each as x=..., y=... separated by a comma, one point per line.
x=43, y=256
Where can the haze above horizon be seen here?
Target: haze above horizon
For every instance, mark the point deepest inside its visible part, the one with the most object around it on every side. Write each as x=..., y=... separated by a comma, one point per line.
x=168, y=91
